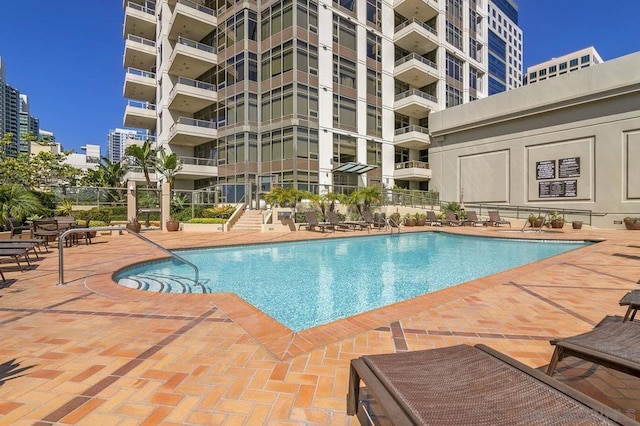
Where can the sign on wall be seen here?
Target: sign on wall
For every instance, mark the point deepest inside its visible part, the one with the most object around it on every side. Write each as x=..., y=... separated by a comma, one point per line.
x=558, y=188
x=545, y=169
x=569, y=167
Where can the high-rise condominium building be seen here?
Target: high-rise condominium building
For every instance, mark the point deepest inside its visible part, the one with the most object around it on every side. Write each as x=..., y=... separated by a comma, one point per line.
x=315, y=94
x=117, y=141
x=505, y=46
x=15, y=117
x=573, y=61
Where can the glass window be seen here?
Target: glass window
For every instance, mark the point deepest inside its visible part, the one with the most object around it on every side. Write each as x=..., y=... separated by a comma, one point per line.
x=573, y=63
x=585, y=59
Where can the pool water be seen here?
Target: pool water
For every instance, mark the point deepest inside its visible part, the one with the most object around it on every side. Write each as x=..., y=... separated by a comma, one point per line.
x=308, y=283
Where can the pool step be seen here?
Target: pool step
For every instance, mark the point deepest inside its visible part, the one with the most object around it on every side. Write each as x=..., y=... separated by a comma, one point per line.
x=164, y=284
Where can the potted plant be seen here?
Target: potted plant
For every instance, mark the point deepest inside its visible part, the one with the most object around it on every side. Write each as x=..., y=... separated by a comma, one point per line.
x=169, y=165
x=535, y=221
x=172, y=224
x=409, y=220
x=421, y=219
x=394, y=220
x=556, y=220
x=134, y=225
x=576, y=224
x=632, y=223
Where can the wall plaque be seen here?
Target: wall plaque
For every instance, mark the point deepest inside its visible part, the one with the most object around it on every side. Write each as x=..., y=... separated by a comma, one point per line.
x=545, y=169
x=558, y=189
x=569, y=167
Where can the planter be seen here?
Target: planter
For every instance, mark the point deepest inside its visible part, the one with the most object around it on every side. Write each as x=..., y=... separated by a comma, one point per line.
x=172, y=225
x=557, y=224
x=632, y=225
x=576, y=224
x=409, y=222
x=135, y=227
x=536, y=223
x=421, y=222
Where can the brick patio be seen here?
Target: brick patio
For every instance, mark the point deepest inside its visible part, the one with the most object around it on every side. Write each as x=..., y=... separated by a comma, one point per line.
x=93, y=352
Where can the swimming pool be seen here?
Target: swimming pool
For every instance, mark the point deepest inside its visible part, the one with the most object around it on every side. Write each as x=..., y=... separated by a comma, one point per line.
x=307, y=283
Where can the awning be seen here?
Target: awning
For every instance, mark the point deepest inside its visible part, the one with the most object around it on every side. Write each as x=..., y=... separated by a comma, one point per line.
x=352, y=167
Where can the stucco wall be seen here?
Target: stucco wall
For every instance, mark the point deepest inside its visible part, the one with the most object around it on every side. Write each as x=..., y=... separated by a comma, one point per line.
x=579, y=150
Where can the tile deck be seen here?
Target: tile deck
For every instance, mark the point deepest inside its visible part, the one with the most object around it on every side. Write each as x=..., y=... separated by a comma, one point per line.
x=93, y=352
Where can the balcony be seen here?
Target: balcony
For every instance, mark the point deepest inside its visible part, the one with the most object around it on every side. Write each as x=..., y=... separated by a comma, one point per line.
x=139, y=53
x=415, y=70
x=191, y=59
x=415, y=103
x=187, y=131
x=416, y=36
x=139, y=84
x=191, y=95
x=423, y=10
x=141, y=115
x=191, y=20
x=140, y=19
x=412, y=137
x=417, y=171
x=197, y=168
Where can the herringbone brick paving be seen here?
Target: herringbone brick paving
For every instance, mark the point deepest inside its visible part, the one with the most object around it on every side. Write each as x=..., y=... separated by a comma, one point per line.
x=92, y=352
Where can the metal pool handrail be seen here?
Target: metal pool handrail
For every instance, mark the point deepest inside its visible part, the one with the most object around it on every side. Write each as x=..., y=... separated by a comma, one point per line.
x=62, y=236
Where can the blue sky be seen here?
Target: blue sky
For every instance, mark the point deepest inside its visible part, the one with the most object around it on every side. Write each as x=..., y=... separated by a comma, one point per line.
x=66, y=55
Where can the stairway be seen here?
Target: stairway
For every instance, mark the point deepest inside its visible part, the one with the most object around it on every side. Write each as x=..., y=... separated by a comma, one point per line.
x=250, y=221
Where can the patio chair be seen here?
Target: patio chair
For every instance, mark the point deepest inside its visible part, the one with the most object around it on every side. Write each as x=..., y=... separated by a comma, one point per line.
x=632, y=301
x=20, y=244
x=333, y=219
x=370, y=222
x=450, y=219
x=432, y=219
x=313, y=224
x=611, y=344
x=495, y=220
x=472, y=219
x=466, y=385
x=14, y=254
x=47, y=229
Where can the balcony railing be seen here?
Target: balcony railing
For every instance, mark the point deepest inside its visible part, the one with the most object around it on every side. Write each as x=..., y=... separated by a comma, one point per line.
x=416, y=92
x=195, y=161
x=196, y=45
x=148, y=7
x=199, y=7
x=197, y=83
x=141, y=104
x=413, y=164
x=194, y=122
x=136, y=71
x=416, y=21
x=144, y=41
x=418, y=58
x=413, y=128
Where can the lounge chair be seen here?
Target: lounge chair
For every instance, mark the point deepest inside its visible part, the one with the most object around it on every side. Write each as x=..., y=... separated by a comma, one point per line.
x=466, y=385
x=450, y=219
x=495, y=220
x=19, y=244
x=333, y=219
x=370, y=222
x=611, y=344
x=313, y=224
x=432, y=218
x=472, y=219
x=14, y=254
x=632, y=301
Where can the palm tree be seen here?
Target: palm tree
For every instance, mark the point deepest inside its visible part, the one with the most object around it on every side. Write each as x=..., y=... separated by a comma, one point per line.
x=365, y=195
x=17, y=201
x=169, y=165
x=144, y=156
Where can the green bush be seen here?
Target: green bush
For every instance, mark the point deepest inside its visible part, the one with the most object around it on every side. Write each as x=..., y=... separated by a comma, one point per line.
x=103, y=214
x=209, y=220
x=223, y=212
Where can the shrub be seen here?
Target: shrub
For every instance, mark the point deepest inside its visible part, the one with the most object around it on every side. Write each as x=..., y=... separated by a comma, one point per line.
x=223, y=212
x=209, y=220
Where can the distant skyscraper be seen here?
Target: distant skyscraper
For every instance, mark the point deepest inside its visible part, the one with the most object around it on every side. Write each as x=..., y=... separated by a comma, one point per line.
x=505, y=46
x=116, y=142
x=15, y=117
x=570, y=62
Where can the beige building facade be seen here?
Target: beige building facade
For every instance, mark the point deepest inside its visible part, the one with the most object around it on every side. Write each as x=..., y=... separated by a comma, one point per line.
x=572, y=142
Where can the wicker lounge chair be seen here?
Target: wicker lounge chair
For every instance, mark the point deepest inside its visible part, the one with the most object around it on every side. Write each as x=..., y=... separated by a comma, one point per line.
x=472, y=219
x=432, y=219
x=632, y=301
x=333, y=219
x=495, y=220
x=371, y=222
x=450, y=219
x=610, y=344
x=466, y=385
x=313, y=224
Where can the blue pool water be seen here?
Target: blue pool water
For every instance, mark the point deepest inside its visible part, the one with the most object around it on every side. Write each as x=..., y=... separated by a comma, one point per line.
x=308, y=283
